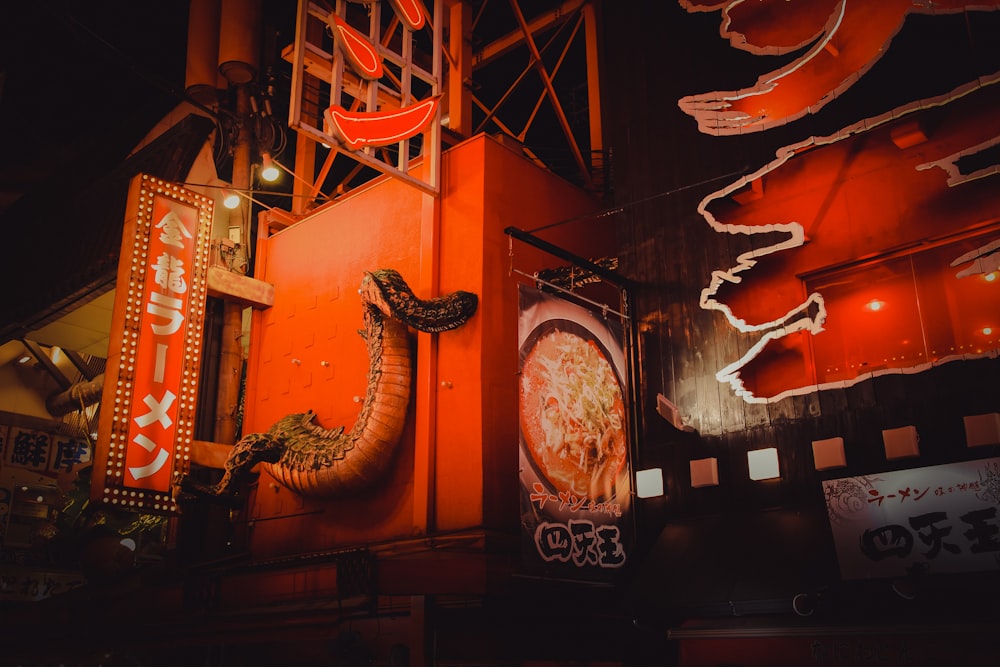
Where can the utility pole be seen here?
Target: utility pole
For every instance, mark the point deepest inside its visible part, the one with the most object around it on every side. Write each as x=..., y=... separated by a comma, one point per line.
x=239, y=46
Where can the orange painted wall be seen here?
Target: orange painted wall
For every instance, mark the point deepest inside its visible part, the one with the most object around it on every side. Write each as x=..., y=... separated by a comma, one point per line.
x=487, y=188
x=316, y=267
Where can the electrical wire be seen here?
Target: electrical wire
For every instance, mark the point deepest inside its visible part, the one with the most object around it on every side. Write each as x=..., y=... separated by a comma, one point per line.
x=624, y=207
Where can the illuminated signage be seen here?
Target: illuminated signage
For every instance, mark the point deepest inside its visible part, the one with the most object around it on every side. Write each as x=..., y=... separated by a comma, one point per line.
x=147, y=410
x=360, y=129
x=834, y=45
x=357, y=129
x=938, y=519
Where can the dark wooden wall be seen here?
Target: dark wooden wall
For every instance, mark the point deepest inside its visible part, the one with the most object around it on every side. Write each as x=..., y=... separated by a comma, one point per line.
x=655, y=54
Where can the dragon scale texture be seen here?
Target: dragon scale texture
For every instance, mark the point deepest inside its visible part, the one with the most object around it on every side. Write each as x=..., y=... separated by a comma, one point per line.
x=326, y=463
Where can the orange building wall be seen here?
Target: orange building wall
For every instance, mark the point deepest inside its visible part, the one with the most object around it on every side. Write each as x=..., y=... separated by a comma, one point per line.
x=486, y=182
x=316, y=267
x=464, y=475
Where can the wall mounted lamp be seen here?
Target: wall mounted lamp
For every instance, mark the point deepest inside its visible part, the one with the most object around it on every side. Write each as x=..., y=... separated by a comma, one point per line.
x=828, y=453
x=901, y=442
x=982, y=429
x=649, y=483
x=268, y=168
x=763, y=463
x=230, y=199
x=230, y=196
x=704, y=472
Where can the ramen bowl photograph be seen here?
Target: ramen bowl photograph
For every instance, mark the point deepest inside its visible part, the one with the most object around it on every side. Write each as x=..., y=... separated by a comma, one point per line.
x=572, y=411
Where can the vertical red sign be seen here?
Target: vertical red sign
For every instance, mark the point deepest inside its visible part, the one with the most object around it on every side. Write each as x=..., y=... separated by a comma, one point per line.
x=153, y=424
x=147, y=409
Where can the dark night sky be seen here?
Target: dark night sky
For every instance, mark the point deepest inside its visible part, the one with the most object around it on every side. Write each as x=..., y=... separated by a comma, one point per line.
x=77, y=77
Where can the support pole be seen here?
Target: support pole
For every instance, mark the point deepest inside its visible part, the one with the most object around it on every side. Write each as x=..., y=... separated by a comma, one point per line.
x=231, y=349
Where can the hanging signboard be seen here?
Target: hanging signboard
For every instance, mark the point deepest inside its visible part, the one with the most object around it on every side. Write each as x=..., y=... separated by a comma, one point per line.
x=151, y=381
x=43, y=451
x=938, y=519
x=574, y=448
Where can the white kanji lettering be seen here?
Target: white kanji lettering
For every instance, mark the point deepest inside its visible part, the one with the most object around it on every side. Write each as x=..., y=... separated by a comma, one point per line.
x=139, y=472
x=162, y=305
x=159, y=370
x=168, y=273
x=157, y=410
x=173, y=230
x=144, y=442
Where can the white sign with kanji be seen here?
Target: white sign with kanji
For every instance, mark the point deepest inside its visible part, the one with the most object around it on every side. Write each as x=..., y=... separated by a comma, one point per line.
x=943, y=518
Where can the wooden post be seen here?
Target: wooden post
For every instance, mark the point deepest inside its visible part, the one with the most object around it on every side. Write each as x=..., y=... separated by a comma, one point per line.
x=231, y=349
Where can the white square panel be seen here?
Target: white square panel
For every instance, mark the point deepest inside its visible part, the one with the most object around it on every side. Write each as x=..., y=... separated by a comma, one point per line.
x=763, y=463
x=649, y=483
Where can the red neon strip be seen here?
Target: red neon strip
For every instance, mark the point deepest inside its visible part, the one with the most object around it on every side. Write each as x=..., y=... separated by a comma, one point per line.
x=411, y=12
x=363, y=57
x=380, y=128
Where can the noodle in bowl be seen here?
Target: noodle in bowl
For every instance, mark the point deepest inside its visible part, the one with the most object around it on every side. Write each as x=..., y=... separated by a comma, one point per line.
x=572, y=411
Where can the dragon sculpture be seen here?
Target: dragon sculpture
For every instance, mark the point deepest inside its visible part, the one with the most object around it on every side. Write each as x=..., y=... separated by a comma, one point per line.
x=326, y=463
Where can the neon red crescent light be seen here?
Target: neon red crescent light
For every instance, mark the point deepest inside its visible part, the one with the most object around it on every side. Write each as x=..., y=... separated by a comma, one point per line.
x=363, y=57
x=357, y=129
x=411, y=12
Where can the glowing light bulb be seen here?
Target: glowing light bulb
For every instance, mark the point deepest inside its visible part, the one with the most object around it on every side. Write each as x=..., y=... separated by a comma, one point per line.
x=268, y=170
x=990, y=277
x=230, y=199
x=874, y=305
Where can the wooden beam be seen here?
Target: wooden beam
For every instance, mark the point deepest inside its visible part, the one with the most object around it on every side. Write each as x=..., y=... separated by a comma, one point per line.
x=46, y=362
x=242, y=289
x=459, y=69
x=593, y=41
x=210, y=454
x=81, y=364
x=78, y=396
x=553, y=96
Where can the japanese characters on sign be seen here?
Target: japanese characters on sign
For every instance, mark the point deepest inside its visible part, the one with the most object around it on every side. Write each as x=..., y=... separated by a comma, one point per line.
x=574, y=463
x=155, y=349
x=32, y=586
x=936, y=519
x=44, y=451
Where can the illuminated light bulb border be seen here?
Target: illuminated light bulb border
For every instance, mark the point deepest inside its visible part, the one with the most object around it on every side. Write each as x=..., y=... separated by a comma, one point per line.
x=135, y=256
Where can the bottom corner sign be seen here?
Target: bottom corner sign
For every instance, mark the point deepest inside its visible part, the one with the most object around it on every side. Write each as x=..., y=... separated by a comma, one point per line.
x=936, y=519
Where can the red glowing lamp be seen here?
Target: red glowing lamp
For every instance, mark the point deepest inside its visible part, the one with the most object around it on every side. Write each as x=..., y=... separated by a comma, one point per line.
x=875, y=305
